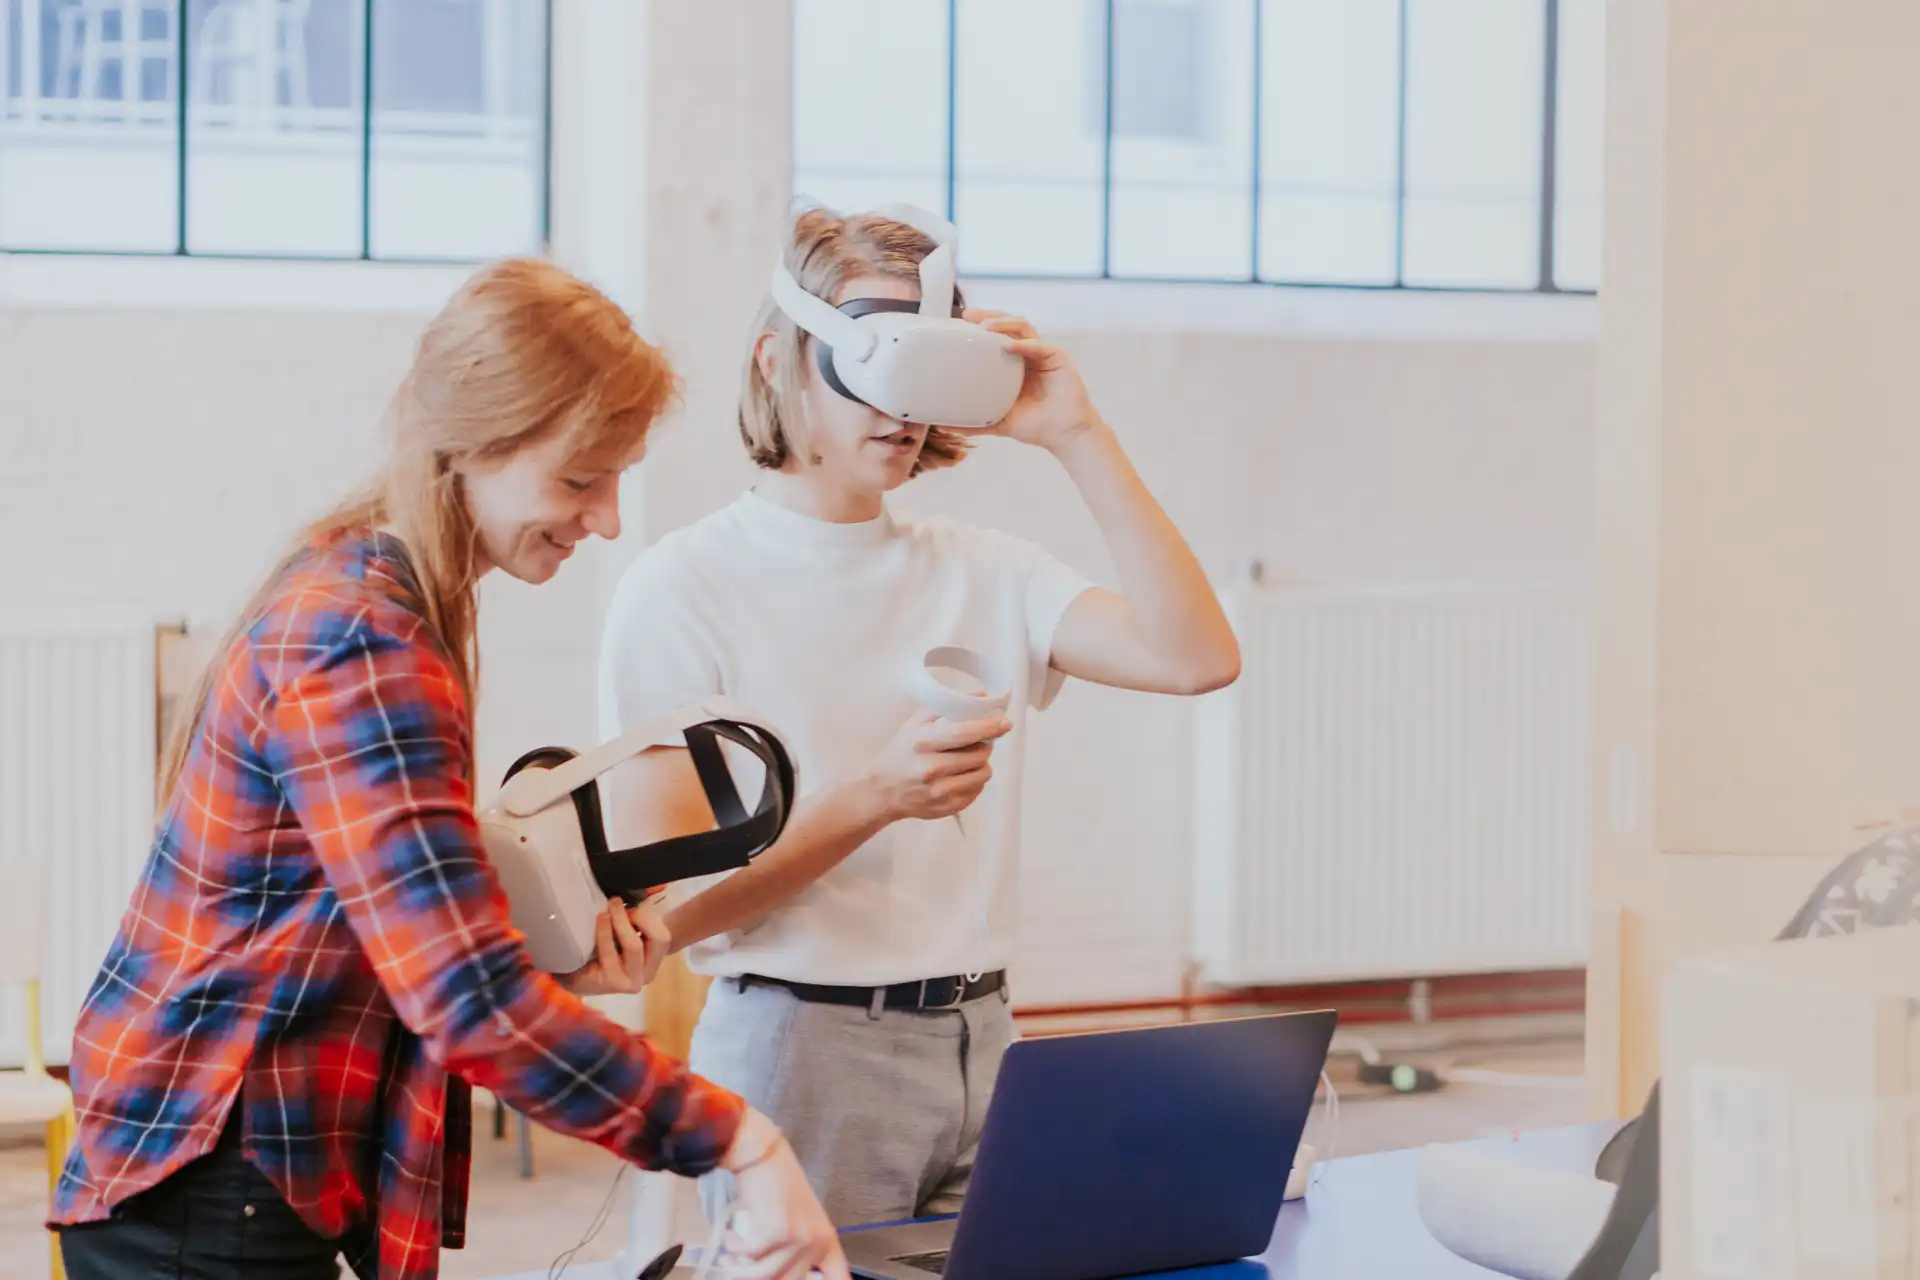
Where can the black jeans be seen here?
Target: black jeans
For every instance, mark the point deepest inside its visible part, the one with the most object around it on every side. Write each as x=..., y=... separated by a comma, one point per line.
x=215, y=1219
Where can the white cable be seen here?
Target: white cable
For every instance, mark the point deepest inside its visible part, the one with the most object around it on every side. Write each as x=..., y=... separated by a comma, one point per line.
x=716, y=1242
x=1332, y=1112
x=594, y=1228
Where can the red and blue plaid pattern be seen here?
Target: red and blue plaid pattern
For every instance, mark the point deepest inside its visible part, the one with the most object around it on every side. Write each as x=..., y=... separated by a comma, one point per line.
x=317, y=926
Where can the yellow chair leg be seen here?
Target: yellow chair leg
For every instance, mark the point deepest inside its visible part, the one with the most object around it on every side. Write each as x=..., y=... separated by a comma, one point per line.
x=59, y=1138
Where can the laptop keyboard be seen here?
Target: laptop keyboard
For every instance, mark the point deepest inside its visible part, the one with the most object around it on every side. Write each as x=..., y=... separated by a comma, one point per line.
x=932, y=1263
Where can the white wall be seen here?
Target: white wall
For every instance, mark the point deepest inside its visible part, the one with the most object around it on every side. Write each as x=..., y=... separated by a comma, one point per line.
x=1333, y=463
x=164, y=458
x=161, y=458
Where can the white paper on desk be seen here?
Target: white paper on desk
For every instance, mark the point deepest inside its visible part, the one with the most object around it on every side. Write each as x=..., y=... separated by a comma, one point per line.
x=1516, y=1219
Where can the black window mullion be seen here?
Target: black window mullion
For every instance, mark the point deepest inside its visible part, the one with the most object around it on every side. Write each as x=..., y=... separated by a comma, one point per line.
x=1549, y=149
x=953, y=108
x=366, y=128
x=1259, y=74
x=546, y=128
x=181, y=82
x=1400, y=166
x=1106, y=155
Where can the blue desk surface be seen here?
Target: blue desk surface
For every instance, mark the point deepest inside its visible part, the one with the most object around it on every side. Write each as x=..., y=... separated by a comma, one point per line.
x=1359, y=1220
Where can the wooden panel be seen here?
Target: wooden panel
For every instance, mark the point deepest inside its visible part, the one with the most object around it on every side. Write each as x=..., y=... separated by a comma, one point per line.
x=672, y=1003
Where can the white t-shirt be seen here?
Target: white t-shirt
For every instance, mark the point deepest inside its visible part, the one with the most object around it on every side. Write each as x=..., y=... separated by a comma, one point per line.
x=819, y=627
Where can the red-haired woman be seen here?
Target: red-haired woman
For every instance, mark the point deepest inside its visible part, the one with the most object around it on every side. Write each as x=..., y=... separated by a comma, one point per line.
x=270, y=1070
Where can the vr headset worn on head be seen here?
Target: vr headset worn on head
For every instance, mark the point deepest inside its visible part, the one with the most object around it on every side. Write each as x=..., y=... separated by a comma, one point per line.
x=912, y=361
x=547, y=840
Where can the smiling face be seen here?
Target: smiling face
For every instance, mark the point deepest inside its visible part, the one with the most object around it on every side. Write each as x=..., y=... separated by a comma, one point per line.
x=531, y=507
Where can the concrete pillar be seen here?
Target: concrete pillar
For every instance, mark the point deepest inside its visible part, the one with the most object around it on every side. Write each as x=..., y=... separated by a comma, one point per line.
x=672, y=124
x=1758, y=649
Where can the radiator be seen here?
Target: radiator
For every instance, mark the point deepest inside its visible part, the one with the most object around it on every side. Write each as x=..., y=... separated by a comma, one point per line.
x=1397, y=786
x=78, y=719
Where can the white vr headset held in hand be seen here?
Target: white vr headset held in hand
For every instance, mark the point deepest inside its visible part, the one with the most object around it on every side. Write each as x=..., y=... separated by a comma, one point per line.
x=547, y=839
x=912, y=361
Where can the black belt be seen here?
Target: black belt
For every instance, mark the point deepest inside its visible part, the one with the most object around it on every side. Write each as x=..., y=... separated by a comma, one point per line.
x=929, y=994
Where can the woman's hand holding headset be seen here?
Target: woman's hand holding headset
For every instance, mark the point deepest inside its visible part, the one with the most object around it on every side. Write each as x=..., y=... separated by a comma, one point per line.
x=1054, y=408
x=630, y=944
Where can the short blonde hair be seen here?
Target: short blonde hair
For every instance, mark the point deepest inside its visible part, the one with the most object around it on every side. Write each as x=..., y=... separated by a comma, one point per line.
x=824, y=252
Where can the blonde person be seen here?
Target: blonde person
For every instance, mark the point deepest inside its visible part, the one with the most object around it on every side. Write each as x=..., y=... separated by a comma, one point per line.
x=861, y=997
x=271, y=1069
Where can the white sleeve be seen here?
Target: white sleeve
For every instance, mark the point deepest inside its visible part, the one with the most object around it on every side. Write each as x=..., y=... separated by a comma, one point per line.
x=656, y=653
x=1052, y=586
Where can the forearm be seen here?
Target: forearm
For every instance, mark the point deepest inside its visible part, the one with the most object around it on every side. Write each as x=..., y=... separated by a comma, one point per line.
x=1171, y=604
x=370, y=752
x=459, y=978
x=824, y=830
x=569, y=1068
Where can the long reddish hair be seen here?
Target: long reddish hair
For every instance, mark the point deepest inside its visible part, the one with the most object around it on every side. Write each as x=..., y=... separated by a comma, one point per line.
x=523, y=352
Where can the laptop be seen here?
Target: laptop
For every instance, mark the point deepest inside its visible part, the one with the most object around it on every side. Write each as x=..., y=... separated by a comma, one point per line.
x=1123, y=1152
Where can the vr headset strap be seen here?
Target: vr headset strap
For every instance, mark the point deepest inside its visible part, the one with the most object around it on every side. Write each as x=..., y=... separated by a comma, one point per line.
x=737, y=840
x=834, y=326
x=630, y=872
x=528, y=793
x=710, y=762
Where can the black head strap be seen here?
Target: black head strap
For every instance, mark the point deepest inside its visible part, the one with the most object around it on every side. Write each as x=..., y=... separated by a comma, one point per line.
x=631, y=872
x=857, y=307
x=739, y=837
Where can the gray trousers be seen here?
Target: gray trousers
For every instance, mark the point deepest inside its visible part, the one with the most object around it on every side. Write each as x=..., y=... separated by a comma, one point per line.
x=884, y=1110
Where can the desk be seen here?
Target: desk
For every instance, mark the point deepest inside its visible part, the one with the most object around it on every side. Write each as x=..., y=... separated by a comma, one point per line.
x=1359, y=1220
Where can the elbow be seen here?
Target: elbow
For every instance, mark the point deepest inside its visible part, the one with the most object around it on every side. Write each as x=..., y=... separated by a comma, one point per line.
x=1213, y=681
x=479, y=1011
x=1215, y=674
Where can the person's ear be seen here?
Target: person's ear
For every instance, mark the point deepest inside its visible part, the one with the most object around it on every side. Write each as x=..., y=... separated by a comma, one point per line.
x=763, y=356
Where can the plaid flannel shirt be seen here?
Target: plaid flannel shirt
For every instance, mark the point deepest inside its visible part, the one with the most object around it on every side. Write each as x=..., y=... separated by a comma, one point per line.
x=317, y=926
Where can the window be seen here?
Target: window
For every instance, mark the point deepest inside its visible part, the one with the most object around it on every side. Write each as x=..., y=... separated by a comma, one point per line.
x=1438, y=144
x=387, y=129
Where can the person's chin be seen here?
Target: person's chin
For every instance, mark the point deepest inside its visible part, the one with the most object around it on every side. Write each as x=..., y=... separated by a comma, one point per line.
x=898, y=469
x=534, y=567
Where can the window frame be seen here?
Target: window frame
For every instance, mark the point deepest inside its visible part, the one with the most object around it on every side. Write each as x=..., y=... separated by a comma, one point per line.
x=182, y=166
x=1546, y=221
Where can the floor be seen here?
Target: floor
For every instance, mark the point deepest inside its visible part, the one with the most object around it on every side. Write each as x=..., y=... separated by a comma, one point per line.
x=522, y=1225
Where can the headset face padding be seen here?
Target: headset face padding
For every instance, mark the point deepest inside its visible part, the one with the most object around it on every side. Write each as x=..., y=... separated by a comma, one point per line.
x=586, y=800
x=855, y=308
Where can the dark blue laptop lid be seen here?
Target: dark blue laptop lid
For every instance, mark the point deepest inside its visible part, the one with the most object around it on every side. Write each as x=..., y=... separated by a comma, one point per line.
x=1126, y=1152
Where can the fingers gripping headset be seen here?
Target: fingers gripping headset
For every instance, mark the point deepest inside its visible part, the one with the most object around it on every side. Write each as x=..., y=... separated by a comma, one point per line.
x=546, y=836
x=912, y=361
